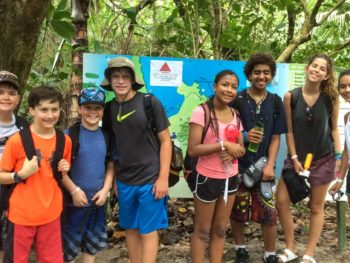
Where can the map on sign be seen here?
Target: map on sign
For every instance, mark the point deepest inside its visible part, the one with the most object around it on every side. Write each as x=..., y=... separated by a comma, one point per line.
x=182, y=84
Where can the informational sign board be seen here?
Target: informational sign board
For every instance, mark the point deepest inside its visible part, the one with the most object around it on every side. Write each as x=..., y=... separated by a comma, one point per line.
x=181, y=84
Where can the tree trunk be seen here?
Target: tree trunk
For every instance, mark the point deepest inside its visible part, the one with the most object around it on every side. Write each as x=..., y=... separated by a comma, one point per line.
x=20, y=27
x=80, y=45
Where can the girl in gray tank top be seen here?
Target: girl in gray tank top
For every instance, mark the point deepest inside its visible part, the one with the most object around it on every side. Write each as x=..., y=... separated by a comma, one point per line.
x=312, y=116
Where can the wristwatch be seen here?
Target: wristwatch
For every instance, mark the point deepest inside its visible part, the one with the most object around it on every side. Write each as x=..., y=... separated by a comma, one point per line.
x=16, y=178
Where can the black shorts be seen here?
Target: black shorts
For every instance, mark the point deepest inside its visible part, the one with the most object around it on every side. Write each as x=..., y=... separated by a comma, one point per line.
x=209, y=189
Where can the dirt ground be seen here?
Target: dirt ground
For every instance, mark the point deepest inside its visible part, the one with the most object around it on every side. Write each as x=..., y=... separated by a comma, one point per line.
x=175, y=241
x=175, y=246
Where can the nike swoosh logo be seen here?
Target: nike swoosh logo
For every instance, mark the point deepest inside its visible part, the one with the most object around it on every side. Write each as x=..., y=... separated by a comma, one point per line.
x=123, y=117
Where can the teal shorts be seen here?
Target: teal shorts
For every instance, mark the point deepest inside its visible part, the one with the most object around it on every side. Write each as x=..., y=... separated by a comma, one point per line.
x=139, y=209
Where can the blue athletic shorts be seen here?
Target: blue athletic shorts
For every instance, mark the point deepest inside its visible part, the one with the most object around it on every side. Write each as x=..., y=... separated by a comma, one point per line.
x=83, y=229
x=138, y=208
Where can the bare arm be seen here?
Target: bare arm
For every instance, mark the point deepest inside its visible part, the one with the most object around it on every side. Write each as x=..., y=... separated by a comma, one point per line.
x=274, y=146
x=101, y=196
x=28, y=169
x=335, y=133
x=160, y=188
x=78, y=196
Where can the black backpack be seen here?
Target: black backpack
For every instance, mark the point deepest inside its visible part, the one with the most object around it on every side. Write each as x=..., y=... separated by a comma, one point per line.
x=177, y=161
x=28, y=145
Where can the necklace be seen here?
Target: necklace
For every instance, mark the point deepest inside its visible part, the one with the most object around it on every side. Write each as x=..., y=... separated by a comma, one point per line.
x=258, y=104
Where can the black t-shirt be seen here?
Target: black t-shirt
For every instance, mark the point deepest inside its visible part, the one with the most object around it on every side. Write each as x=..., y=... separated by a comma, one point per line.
x=137, y=152
x=271, y=114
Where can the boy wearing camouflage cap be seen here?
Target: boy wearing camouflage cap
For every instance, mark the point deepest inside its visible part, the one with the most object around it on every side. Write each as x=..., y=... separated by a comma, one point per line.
x=143, y=167
x=9, y=123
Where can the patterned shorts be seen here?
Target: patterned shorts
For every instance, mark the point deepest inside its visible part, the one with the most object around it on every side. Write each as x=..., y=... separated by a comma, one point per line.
x=249, y=205
x=84, y=229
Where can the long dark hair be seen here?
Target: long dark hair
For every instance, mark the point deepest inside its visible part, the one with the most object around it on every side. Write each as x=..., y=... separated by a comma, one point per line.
x=213, y=122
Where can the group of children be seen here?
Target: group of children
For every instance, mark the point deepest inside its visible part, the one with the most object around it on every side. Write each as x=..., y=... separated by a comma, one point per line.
x=54, y=185
x=308, y=116
x=55, y=196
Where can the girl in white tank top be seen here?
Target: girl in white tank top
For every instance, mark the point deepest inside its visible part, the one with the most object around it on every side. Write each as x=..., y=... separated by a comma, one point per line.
x=344, y=91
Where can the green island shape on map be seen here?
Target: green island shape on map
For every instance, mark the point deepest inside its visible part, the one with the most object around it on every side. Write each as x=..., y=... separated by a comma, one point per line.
x=179, y=122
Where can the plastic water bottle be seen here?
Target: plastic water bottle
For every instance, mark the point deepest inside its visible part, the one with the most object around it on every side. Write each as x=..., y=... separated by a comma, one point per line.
x=254, y=147
x=232, y=134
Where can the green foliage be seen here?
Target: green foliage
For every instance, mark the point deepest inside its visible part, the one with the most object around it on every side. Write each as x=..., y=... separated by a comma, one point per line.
x=61, y=20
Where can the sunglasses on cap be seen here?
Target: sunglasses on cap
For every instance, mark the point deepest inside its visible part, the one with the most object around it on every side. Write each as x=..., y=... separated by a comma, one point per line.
x=92, y=95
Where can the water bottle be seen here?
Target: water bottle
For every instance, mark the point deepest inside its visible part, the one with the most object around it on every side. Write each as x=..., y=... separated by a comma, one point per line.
x=254, y=147
x=232, y=134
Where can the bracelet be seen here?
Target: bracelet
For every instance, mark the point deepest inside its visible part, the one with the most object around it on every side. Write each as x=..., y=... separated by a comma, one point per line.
x=75, y=190
x=222, y=145
x=337, y=156
x=294, y=157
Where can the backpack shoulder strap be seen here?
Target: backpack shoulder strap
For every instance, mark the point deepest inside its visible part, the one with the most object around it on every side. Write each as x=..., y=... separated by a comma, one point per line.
x=28, y=143
x=74, y=131
x=21, y=122
x=58, y=154
x=107, y=136
x=207, y=119
x=29, y=149
x=147, y=102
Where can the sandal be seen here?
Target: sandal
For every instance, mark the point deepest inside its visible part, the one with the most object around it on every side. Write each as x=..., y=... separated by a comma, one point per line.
x=308, y=259
x=252, y=175
x=287, y=256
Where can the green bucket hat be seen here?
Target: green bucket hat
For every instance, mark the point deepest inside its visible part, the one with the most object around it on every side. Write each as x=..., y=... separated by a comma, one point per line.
x=120, y=62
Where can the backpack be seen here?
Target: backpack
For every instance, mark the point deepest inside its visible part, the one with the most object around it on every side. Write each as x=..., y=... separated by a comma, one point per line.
x=176, y=164
x=28, y=145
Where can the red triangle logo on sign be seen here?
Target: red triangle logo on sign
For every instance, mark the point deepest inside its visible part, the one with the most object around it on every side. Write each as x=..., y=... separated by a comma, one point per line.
x=165, y=68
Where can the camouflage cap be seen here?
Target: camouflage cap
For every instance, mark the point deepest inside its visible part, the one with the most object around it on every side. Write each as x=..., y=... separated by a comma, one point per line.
x=120, y=62
x=8, y=77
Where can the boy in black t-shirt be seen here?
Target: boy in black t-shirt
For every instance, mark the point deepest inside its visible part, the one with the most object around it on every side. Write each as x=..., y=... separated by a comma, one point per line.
x=142, y=168
x=256, y=104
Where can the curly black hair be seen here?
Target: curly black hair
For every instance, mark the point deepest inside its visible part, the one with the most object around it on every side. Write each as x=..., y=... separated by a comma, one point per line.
x=260, y=59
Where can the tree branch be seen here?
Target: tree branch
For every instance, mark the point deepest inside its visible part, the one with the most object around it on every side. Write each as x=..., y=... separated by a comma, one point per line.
x=138, y=8
x=341, y=46
x=339, y=4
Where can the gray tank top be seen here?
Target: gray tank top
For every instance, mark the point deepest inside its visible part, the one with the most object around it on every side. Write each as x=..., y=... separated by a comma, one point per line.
x=311, y=126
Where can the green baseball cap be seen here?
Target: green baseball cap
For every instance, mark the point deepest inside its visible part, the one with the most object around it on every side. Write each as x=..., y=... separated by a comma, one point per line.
x=120, y=62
